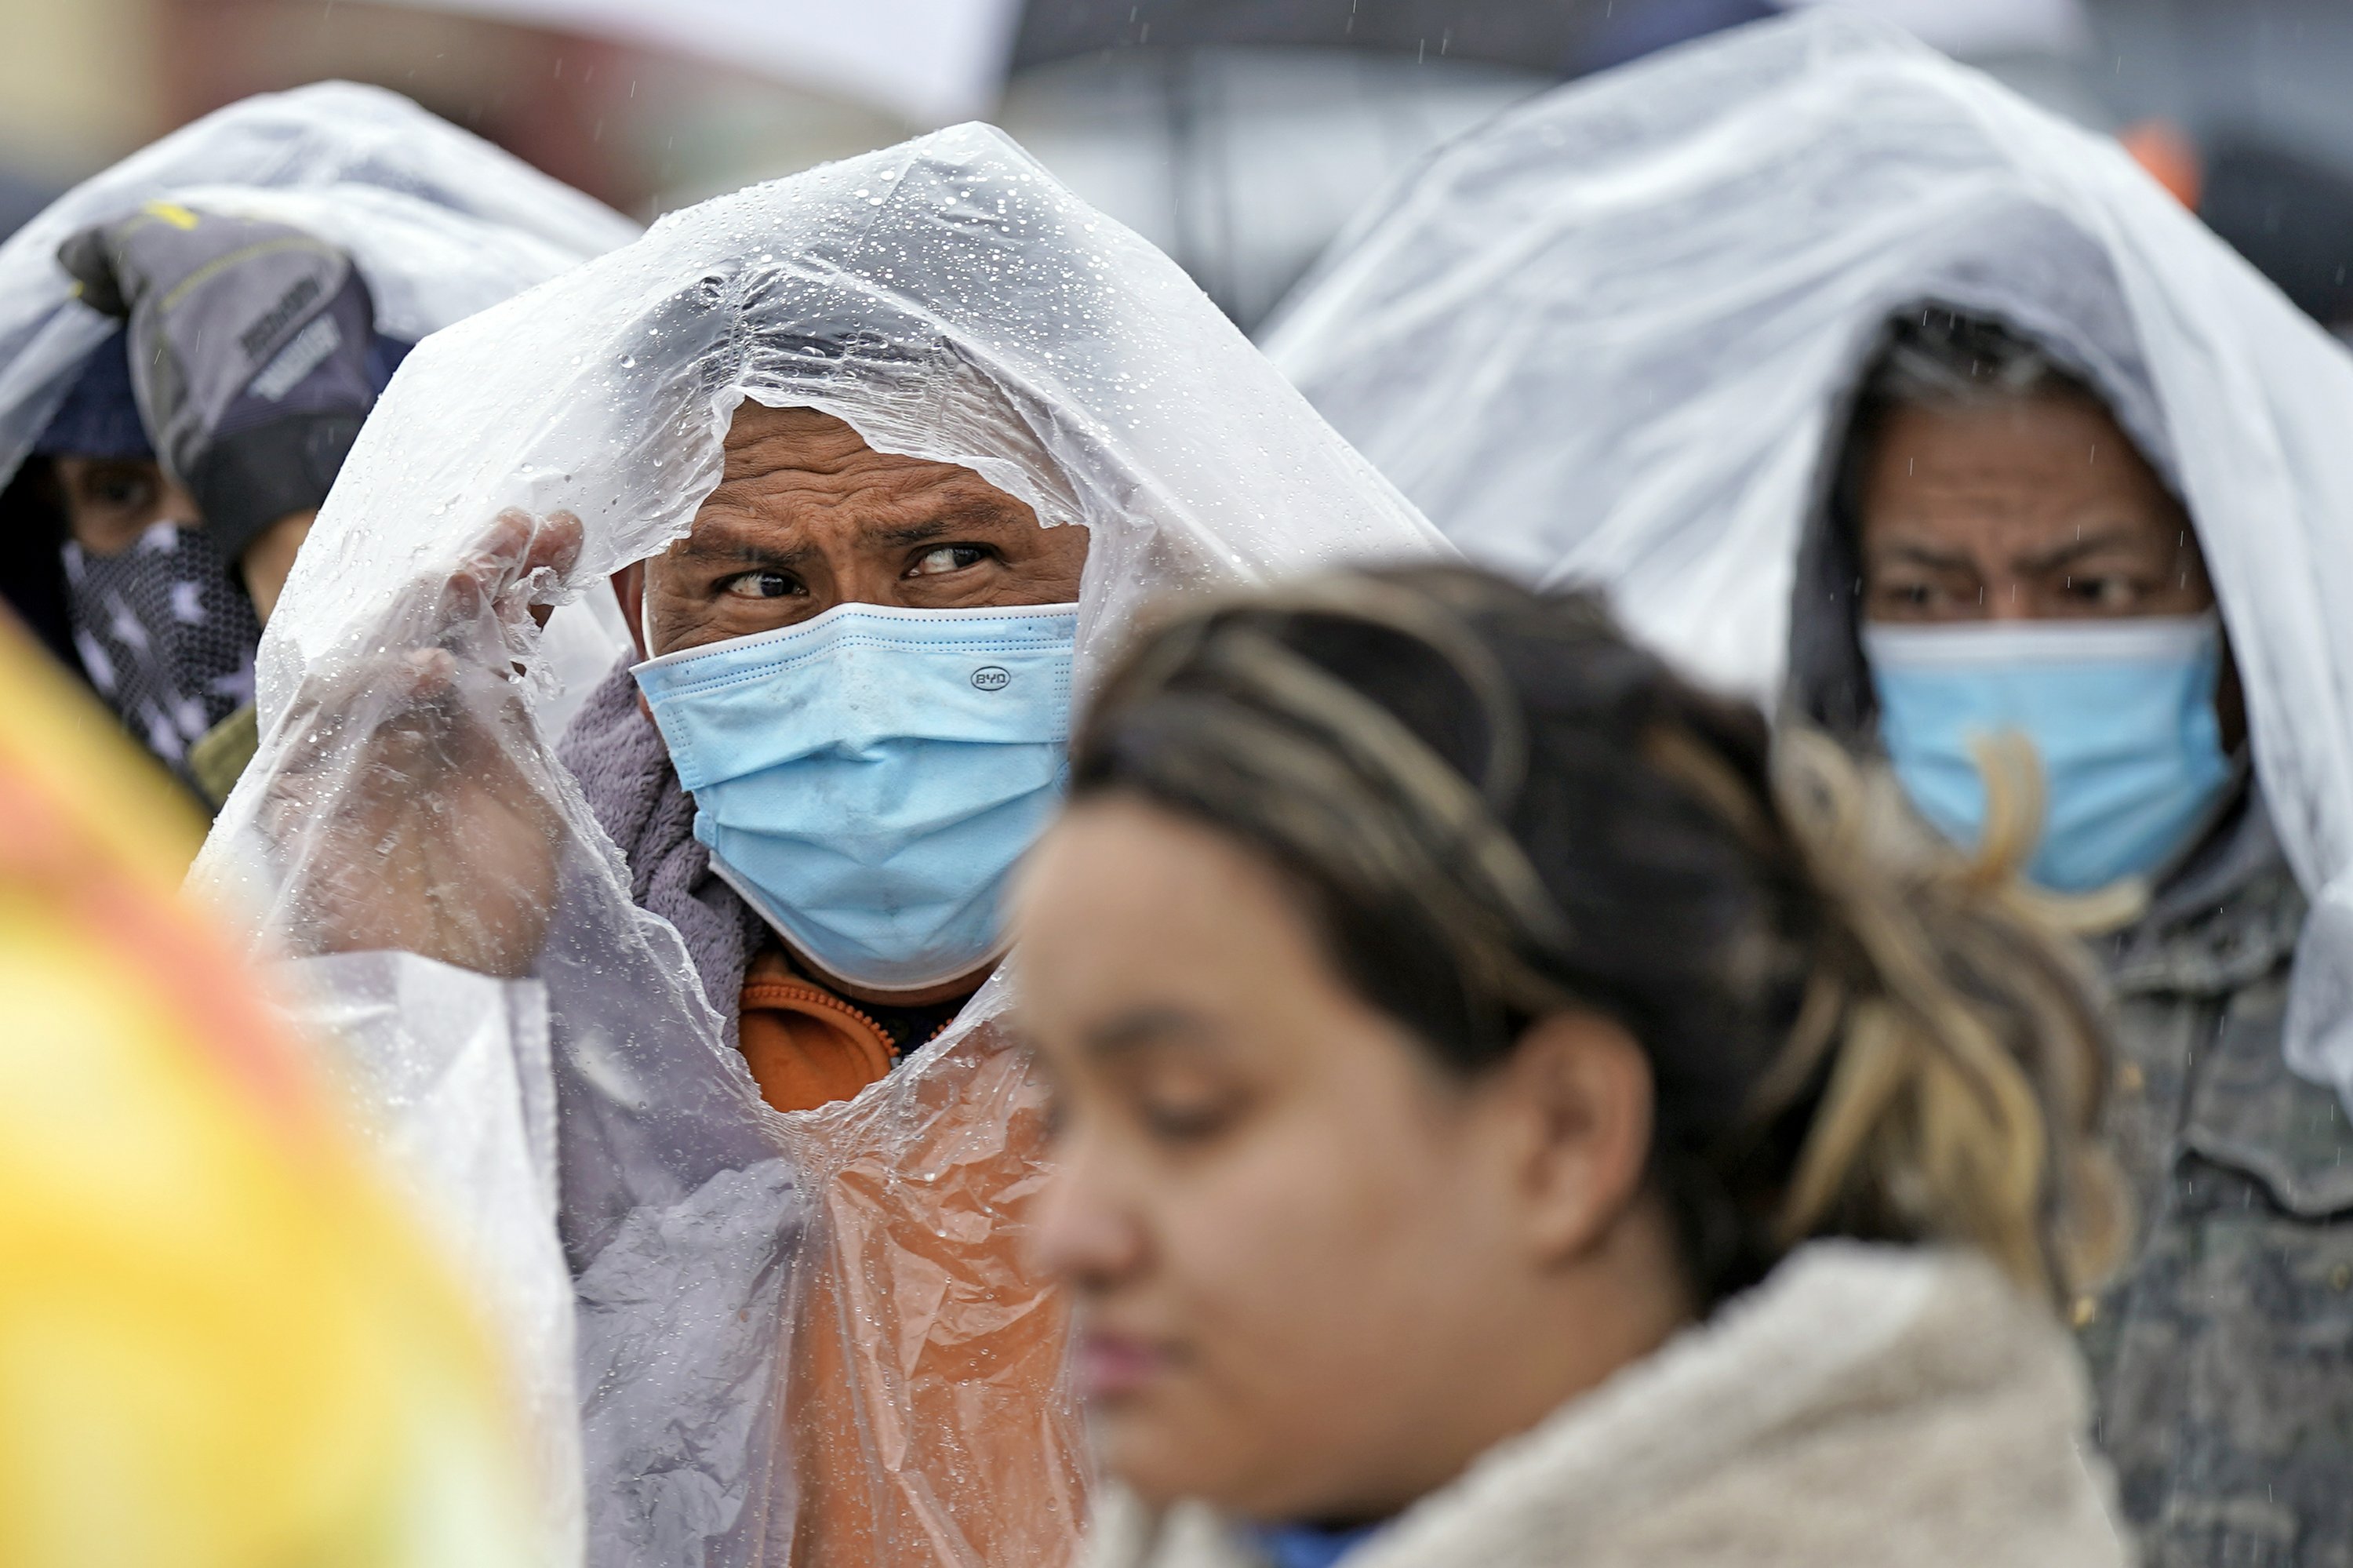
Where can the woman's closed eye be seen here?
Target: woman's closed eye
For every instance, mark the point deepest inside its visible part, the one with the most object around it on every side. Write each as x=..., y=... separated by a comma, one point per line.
x=939, y=559
x=1187, y=1108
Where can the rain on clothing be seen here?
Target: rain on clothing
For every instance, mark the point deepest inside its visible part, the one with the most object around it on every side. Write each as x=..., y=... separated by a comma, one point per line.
x=1615, y=335
x=1863, y=1406
x=438, y=222
x=850, y=1276
x=219, y=1344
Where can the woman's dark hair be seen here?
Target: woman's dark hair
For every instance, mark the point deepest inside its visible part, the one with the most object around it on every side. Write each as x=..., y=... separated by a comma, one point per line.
x=1494, y=806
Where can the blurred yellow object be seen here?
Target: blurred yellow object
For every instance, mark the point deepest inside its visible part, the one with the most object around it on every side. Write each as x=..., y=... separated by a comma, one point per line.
x=220, y=1343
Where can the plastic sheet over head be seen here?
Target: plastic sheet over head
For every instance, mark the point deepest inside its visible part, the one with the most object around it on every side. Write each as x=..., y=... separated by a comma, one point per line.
x=770, y=1308
x=1615, y=334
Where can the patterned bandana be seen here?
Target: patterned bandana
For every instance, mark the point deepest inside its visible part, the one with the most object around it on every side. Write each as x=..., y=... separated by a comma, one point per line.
x=167, y=638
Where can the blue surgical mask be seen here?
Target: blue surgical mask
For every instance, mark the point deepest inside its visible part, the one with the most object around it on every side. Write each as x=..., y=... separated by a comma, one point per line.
x=2120, y=713
x=866, y=780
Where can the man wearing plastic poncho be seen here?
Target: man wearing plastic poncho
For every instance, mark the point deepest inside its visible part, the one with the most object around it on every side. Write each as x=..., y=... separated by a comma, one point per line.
x=1862, y=381
x=881, y=458
x=188, y=344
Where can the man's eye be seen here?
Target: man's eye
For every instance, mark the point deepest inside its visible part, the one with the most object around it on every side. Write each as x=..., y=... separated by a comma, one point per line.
x=760, y=584
x=946, y=558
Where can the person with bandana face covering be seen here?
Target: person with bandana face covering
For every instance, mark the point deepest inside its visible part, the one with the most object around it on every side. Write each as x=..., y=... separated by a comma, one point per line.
x=160, y=508
x=1871, y=389
x=164, y=615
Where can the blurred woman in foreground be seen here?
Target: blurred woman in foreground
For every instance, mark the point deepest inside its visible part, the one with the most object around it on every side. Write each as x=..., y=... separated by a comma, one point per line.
x=222, y=1342
x=1511, y=1114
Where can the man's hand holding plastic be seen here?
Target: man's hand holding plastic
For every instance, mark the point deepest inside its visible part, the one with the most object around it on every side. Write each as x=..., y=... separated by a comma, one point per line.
x=440, y=835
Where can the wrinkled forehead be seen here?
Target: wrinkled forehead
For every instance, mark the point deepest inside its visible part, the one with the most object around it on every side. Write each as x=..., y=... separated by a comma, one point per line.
x=920, y=412
x=795, y=459
x=759, y=437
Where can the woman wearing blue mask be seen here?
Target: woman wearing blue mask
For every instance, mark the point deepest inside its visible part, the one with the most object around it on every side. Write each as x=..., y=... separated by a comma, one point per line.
x=2025, y=571
x=1999, y=557
x=191, y=342
x=2019, y=568
x=1870, y=389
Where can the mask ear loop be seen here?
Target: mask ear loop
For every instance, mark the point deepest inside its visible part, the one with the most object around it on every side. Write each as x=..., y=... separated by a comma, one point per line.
x=646, y=608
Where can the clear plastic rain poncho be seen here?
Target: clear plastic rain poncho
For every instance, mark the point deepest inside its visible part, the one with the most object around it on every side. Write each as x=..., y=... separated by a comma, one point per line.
x=768, y=1306
x=439, y=223
x=1615, y=335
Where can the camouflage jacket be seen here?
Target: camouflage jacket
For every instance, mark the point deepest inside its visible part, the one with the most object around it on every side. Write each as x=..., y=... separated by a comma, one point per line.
x=2222, y=1353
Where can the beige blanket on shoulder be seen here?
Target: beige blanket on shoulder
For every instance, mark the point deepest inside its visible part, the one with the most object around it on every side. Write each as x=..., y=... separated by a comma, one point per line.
x=1865, y=1405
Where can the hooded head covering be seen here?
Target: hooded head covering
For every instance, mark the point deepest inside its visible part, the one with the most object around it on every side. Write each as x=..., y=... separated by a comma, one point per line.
x=99, y=416
x=950, y=301
x=440, y=224
x=1616, y=335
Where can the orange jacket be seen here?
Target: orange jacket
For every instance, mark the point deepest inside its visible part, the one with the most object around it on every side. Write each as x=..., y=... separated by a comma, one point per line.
x=926, y=1410
x=806, y=1046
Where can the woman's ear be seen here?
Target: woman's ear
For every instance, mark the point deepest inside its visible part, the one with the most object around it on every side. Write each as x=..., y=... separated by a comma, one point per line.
x=1576, y=1090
